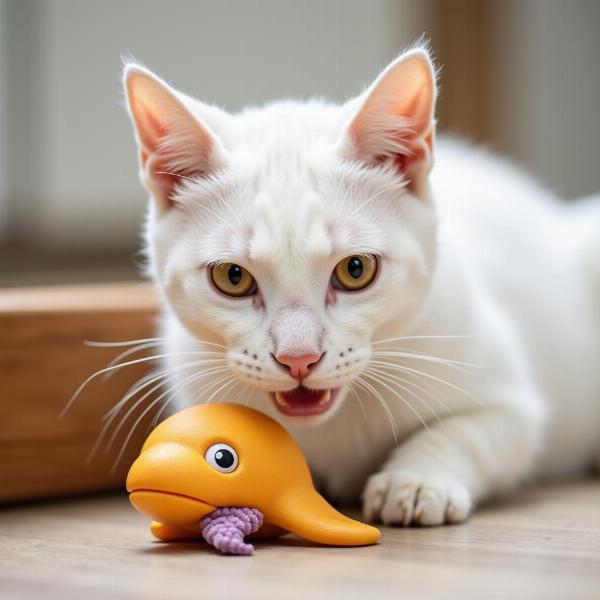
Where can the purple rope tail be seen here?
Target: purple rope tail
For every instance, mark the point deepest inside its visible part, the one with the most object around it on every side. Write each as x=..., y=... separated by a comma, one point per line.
x=225, y=529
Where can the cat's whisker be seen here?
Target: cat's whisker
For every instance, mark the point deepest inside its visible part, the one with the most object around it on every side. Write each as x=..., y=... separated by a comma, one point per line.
x=133, y=407
x=395, y=347
x=120, y=366
x=151, y=378
x=145, y=345
x=424, y=390
x=141, y=347
x=128, y=352
x=205, y=390
x=396, y=393
x=410, y=338
x=398, y=381
x=98, y=344
x=197, y=397
x=401, y=367
x=196, y=377
x=207, y=357
x=224, y=395
x=422, y=337
x=456, y=364
x=366, y=385
x=107, y=425
x=133, y=389
x=429, y=385
x=194, y=400
x=245, y=397
x=156, y=376
x=180, y=386
x=360, y=402
x=148, y=380
x=133, y=429
x=137, y=387
x=112, y=414
x=130, y=435
x=220, y=389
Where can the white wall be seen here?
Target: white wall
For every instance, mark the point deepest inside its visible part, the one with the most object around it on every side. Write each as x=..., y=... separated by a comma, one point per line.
x=74, y=174
x=67, y=158
x=545, y=89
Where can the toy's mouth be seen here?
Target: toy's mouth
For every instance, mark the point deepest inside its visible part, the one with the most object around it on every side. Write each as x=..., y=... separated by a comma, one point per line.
x=302, y=401
x=169, y=507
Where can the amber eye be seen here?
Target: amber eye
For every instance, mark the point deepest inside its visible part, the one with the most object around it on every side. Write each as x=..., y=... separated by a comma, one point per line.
x=354, y=273
x=232, y=280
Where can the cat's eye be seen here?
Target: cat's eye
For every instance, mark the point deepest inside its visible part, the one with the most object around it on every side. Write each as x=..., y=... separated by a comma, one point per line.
x=354, y=273
x=222, y=458
x=233, y=280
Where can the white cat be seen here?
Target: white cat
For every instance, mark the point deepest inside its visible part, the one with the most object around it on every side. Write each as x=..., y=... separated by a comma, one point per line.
x=428, y=339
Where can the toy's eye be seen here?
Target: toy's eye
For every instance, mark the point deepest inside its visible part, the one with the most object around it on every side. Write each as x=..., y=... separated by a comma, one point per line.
x=354, y=273
x=232, y=280
x=222, y=457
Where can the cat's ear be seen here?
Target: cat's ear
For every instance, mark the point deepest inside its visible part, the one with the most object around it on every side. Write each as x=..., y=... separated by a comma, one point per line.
x=394, y=118
x=173, y=142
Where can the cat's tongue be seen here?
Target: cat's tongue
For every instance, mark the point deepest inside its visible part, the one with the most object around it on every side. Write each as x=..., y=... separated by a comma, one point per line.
x=303, y=402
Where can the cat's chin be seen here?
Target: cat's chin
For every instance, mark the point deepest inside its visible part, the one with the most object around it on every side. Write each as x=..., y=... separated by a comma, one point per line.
x=304, y=402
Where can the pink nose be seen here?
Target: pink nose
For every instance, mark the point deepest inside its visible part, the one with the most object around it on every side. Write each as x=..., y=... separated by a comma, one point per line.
x=299, y=366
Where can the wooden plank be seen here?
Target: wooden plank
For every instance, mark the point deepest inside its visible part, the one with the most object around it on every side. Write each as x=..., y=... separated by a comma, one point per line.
x=43, y=360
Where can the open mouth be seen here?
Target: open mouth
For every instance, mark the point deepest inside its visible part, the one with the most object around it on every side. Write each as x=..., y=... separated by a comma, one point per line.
x=302, y=401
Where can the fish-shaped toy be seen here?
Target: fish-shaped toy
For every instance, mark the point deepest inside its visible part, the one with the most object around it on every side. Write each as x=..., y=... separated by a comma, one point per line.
x=224, y=471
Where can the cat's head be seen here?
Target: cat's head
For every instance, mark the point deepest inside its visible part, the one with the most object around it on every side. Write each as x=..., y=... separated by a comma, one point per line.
x=294, y=233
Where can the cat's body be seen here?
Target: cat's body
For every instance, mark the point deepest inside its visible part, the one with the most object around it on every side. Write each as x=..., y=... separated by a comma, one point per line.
x=495, y=275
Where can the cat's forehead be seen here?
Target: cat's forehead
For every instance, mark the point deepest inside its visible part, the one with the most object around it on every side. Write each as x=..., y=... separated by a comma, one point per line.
x=291, y=222
x=298, y=215
x=288, y=199
x=297, y=187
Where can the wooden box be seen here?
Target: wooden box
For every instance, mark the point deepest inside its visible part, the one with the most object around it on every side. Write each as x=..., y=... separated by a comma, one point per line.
x=43, y=359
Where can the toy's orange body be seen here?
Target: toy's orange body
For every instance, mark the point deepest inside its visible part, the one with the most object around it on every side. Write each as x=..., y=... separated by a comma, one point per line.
x=173, y=483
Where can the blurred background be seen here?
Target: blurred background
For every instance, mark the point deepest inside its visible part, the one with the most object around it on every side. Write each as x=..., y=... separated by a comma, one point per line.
x=520, y=76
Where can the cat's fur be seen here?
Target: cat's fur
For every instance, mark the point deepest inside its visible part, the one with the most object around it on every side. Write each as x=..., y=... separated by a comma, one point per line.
x=478, y=264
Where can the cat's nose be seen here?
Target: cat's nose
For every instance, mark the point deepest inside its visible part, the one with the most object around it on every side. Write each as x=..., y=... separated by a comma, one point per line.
x=299, y=366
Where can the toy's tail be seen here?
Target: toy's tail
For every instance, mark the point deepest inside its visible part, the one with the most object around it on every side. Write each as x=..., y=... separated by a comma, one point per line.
x=309, y=515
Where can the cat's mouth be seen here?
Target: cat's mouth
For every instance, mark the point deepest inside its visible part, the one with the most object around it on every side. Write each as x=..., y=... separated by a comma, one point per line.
x=302, y=401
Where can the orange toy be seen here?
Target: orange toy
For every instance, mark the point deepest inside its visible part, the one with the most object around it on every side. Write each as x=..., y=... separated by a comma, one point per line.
x=227, y=455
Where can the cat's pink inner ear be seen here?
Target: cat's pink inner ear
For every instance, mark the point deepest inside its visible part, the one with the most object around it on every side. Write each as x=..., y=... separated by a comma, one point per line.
x=395, y=119
x=173, y=144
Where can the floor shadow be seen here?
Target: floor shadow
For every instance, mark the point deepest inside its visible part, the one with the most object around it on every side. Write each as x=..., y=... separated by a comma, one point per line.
x=187, y=547
x=200, y=547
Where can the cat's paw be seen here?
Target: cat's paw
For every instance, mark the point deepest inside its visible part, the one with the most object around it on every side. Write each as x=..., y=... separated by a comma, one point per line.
x=405, y=498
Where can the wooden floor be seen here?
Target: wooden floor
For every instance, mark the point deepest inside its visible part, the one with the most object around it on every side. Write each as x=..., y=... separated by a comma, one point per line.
x=544, y=543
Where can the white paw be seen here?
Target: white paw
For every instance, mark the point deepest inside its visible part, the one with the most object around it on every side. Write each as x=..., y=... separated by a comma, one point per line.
x=405, y=498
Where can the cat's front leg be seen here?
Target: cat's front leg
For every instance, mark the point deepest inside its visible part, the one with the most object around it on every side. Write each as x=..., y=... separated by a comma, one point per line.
x=438, y=474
